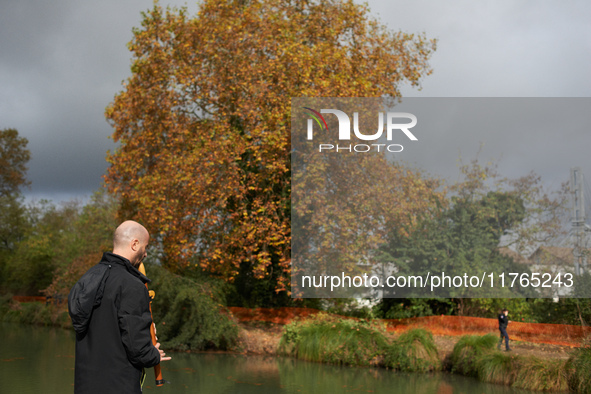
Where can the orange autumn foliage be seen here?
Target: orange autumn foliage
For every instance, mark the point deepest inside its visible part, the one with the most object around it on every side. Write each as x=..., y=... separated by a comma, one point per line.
x=203, y=123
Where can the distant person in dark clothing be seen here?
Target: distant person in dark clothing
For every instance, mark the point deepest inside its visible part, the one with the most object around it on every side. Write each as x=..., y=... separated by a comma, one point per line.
x=503, y=322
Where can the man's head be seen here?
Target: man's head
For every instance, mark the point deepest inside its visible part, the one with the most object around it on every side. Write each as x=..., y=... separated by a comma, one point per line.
x=505, y=311
x=130, y=241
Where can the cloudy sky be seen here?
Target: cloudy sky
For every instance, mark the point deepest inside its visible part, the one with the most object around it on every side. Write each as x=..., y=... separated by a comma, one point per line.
x=62, y=62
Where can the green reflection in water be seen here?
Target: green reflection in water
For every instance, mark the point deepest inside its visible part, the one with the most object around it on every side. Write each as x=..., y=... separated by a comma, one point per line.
x=41, y=360
x=36, y=359
x=224, y=373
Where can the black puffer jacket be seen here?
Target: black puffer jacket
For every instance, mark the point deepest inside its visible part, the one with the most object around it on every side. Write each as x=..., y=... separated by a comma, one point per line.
x=109, y=307
x=503, y=321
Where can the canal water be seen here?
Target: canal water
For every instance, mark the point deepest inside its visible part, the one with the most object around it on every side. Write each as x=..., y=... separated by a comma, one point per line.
x=41, y=360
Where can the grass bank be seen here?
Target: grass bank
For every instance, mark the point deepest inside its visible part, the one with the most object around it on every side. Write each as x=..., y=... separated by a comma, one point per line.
x=335, y=340
x=413, y=351
x=329, y=339
x=579, y=367
x=477, y=356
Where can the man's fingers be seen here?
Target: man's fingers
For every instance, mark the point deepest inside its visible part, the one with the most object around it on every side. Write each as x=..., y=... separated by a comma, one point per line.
x=162, y=354
x=162, y=358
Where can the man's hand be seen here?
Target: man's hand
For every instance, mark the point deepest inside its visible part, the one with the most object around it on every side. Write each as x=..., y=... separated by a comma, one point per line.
x=162, y=354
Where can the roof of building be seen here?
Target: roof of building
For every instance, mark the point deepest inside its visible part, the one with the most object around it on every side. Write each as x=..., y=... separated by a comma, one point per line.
x=514, y=255
x=552, y=254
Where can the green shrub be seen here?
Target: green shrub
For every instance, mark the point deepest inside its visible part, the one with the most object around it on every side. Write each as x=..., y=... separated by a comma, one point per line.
x=579, y=370
x=29, y=313
x=190, y=315
x=5, y=303
x=467, y=349
x=540, y=375
x=334, y=340
x=63, y=320
x=33, y=313
x=495, y=367
x=413, y=351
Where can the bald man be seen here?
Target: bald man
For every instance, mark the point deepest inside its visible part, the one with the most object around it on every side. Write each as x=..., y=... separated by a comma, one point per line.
x=109, y=308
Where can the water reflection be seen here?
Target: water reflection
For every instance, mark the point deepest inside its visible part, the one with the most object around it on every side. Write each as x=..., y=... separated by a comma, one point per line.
x=36, y=359
x=41, y=360
x=225, y=373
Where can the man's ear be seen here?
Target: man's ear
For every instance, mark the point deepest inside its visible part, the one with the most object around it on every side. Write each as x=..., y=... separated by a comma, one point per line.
x=135, y=245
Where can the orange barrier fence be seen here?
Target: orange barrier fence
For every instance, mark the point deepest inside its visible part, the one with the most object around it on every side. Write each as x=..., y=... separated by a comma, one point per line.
x=278, y=316
x=557, y=334
x=29, y=299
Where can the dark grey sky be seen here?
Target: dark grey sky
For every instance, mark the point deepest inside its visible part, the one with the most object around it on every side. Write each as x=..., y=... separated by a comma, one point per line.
x=62, y=62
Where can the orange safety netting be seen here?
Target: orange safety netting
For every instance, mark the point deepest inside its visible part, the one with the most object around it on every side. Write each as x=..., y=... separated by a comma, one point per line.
x=29, y=298
x=557, y=334
x=278, y=316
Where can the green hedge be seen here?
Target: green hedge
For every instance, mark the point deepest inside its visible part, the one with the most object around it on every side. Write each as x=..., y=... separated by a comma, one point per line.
x=190, y=314
x=37, y=313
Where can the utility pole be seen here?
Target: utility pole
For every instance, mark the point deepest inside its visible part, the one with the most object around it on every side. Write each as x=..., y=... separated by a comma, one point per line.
x=578, y=218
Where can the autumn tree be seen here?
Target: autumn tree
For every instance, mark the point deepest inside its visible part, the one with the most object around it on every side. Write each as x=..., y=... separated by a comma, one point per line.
x=345, y=205
x=14, y=157
x=203, y=123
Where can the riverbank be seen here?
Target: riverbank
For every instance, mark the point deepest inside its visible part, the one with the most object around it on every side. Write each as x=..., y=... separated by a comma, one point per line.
x=444, y=325
x=531, y=365
x=261, y=331
x=50, y=352
x=263, y=339
x=328, y=339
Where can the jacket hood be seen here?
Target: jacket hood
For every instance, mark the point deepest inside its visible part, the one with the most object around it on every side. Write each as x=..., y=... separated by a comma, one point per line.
x=87, y=293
